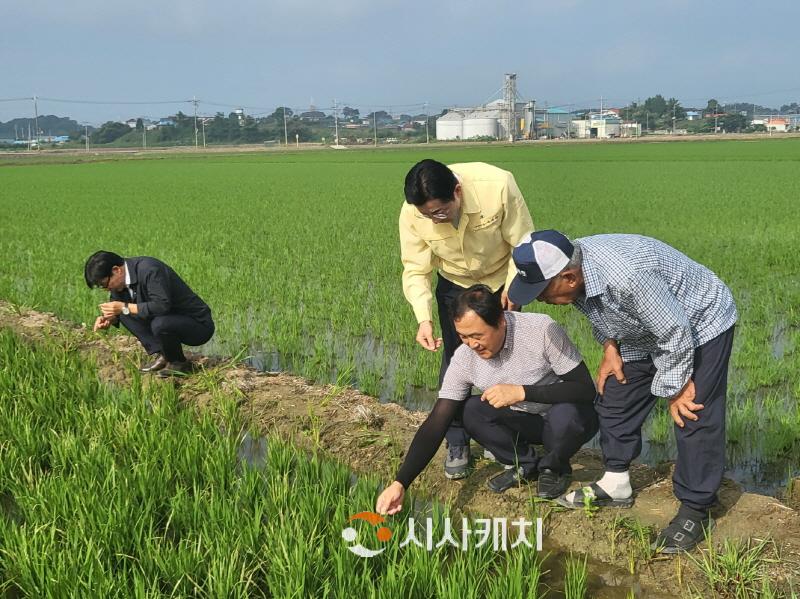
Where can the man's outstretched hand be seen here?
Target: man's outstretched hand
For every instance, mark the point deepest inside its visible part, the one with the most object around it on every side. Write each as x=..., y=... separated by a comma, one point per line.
x=391, y=500
x=425, y=336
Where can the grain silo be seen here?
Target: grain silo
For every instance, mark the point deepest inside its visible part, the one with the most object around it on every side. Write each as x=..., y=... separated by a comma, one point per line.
x=450, y=126
x=482, y=123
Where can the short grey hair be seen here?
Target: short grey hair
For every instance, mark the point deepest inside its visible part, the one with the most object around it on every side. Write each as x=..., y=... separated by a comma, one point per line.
x=577, y=259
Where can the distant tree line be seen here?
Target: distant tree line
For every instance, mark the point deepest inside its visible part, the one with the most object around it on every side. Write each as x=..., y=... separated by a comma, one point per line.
x=657, y=113
x=282, y=124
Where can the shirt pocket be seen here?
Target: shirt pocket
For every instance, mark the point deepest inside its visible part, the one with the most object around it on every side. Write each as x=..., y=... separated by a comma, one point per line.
x=486, y=222
x=483, y=241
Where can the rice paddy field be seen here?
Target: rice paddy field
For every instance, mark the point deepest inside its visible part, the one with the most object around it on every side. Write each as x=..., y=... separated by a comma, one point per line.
x=123, y=493
x=111, y=491
x=297, y=253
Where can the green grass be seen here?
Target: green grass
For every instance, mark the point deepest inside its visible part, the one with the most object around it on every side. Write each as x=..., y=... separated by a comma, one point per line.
x=297, y=253
x=738, y=569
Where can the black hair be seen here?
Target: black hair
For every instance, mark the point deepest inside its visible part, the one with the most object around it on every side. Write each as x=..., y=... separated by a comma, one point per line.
x=99, y=265
x=429, y=180
x=481, y=300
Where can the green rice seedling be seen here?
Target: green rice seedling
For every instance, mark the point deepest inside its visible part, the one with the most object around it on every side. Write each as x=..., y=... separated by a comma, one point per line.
x=639, y=539
x=315, y=425
x=575, y=578
x=520, y=576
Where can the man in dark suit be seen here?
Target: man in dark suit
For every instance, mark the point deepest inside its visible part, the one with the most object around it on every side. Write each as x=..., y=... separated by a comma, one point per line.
x=150, y=300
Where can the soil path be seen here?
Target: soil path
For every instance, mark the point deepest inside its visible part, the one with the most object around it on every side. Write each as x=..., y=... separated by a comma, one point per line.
x=371, y=438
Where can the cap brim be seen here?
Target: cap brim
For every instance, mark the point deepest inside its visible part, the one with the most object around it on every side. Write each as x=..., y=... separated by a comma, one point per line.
x=521, y=292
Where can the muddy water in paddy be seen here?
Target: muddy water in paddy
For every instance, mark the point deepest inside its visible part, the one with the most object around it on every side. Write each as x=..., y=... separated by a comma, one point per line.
x=749, y=464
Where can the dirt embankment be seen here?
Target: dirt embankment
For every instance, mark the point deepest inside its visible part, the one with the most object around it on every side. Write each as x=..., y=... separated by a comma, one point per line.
x=371, y=438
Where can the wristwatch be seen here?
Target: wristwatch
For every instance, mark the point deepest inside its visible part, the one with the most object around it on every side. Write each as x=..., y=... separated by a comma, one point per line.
x=125, y=309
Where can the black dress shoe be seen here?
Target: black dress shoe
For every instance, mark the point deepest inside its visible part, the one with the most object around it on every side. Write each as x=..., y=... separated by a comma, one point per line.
x=154, y=366
x=172, y=369
x=511, y=477
x=552, y=484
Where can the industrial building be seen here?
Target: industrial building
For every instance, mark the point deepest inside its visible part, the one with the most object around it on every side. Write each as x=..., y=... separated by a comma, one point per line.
x=604, y=125
x=501, y=119
x=491, y=122
x=488, y=121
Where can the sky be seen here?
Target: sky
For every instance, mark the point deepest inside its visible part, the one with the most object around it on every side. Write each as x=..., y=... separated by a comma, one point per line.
x=387, y=54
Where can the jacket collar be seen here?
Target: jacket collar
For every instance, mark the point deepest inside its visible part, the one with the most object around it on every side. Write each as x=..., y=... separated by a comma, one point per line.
x=469, y=200
x=131, y=276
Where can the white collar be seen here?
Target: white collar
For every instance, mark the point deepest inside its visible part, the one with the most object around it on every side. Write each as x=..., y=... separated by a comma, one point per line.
x=127, y=276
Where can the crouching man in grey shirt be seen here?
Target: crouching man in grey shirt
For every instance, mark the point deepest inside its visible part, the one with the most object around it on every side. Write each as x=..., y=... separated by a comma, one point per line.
x=536, y=389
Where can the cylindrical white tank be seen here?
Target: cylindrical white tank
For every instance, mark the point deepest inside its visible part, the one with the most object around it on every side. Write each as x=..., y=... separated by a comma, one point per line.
x=450, y=126
x=480, y=127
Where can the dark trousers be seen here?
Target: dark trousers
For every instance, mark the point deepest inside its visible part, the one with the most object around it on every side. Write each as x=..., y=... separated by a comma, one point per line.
x=165, y=334
x=446, y=293
x=508, y=433
x=701, y=444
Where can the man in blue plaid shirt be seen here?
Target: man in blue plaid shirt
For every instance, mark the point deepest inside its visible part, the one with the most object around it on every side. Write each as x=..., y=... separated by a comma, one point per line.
x=666, y=326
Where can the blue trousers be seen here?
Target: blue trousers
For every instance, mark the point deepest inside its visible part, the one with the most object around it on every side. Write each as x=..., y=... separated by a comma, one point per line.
x=622, y=410
x=165, y=334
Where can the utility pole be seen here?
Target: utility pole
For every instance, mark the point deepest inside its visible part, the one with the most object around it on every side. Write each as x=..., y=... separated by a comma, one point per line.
x=375, y=126
x=36, y=120
x=144, y=136
x=674, y=104
x=194, y=101
x=533, y=122
x=285, y=129
x=569, y=121
x=427, y=132
x=336, y=121
x=87, y=137
x=203, y=121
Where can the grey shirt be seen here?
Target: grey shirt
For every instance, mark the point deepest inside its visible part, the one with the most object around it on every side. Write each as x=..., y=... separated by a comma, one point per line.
x=536, y=351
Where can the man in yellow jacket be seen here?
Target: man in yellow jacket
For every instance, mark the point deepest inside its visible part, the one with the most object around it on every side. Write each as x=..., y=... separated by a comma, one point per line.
x=461, y=220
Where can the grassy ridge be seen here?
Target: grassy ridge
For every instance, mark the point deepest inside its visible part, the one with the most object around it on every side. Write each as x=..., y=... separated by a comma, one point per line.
x=298, y=253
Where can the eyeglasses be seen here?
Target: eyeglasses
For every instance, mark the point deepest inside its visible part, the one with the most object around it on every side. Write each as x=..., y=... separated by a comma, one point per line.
x=439, y=214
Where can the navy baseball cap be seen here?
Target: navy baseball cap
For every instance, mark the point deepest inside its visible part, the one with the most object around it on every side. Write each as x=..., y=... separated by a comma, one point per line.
x=539, y=257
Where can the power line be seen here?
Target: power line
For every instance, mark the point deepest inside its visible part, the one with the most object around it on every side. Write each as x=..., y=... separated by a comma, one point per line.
x=111, y=102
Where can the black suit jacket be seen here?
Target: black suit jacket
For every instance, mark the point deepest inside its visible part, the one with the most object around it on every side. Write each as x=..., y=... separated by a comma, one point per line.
x=159, y=291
